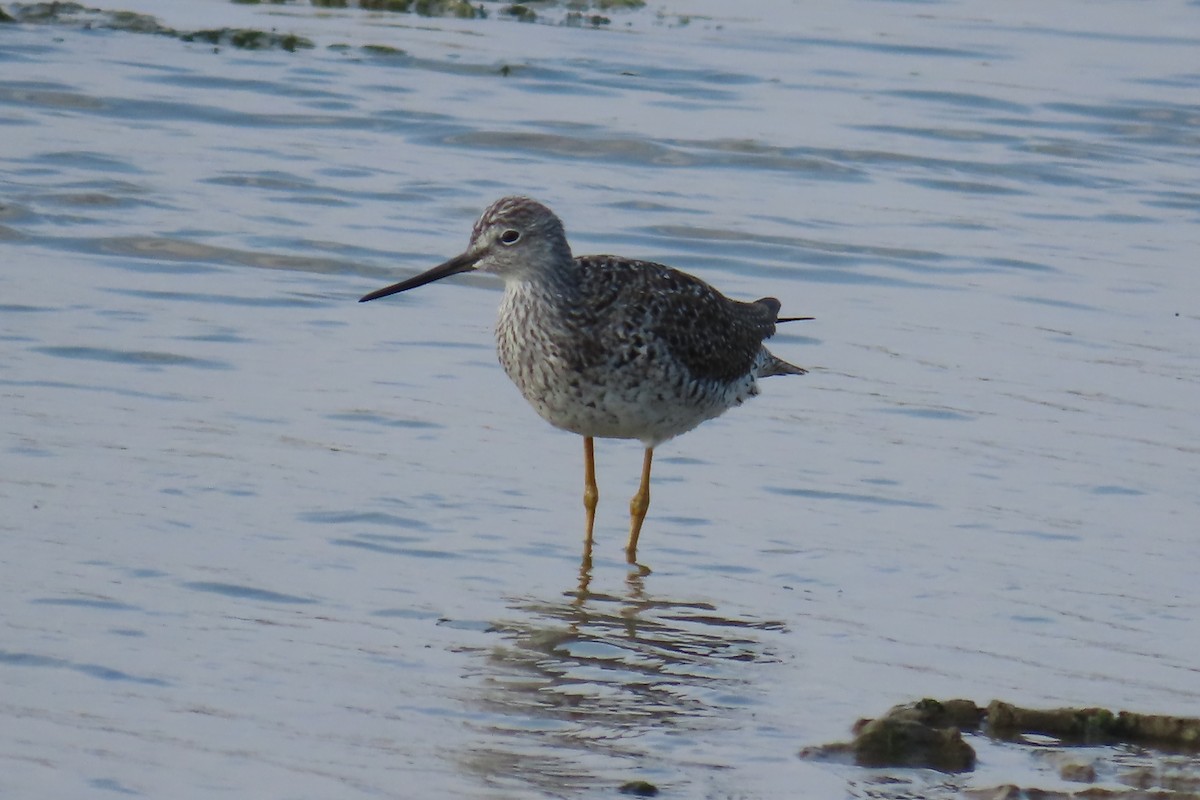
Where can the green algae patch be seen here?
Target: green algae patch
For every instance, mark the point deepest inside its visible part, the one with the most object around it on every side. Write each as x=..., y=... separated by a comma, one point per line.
x=519, y=12
x=78, y=15
x=578, y=12
x=382, y=50
x=427, y=8
x=81, y=16
x=248, y=39
x=464, y=8
x=572, y=13
x=423, y=8
x=576, y=19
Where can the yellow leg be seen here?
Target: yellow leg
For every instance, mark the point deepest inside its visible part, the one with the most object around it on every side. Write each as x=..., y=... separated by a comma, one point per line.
x=591, y=494
x=637, y=508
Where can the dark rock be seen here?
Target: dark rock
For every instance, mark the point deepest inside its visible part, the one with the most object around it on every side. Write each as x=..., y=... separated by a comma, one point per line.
x=922, y=734
x=900, y=741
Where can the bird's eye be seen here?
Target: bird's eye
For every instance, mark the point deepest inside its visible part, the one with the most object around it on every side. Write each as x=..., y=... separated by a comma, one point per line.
x=510, y=236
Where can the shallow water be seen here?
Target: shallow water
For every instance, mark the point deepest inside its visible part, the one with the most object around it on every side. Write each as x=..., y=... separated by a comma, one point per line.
x=260, y=538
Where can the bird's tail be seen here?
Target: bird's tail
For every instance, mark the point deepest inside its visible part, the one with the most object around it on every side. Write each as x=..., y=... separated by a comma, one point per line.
x=768, y=364
x=773, y=365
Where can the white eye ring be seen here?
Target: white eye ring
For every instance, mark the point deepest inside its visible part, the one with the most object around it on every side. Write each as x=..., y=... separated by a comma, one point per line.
x=510, y=236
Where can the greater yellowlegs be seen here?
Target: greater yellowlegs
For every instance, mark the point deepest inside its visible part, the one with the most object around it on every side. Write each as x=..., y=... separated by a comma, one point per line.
x=611, y=347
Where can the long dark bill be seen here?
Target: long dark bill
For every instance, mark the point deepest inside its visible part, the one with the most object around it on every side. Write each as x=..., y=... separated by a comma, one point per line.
x=463, y=263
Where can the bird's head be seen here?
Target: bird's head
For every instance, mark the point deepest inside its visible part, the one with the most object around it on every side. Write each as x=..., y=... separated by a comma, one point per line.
x=516, y=238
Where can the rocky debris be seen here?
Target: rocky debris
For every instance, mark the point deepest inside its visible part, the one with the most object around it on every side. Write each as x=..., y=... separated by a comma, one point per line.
x=928, y=733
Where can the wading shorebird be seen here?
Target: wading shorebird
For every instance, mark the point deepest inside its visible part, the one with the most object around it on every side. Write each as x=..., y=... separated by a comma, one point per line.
x=610, y=347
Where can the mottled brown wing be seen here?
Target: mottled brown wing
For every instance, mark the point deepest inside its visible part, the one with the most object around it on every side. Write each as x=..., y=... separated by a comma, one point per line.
x=714, y=337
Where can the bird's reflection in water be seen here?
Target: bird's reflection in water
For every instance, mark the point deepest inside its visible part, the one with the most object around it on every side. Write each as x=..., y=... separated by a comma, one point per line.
x=590, y=677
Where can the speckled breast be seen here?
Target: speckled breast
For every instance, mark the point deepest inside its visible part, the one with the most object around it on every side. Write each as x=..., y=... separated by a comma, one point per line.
x=603, y=383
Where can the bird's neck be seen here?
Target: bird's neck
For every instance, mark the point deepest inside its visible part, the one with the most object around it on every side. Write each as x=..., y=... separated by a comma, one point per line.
x=562, y=281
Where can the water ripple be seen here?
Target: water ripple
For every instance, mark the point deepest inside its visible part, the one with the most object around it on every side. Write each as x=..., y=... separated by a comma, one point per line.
x=17, y=659
x=241, y=592
x=140, y=358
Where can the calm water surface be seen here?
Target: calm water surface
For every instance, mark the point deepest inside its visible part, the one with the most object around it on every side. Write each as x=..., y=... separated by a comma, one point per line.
x=263, y=541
